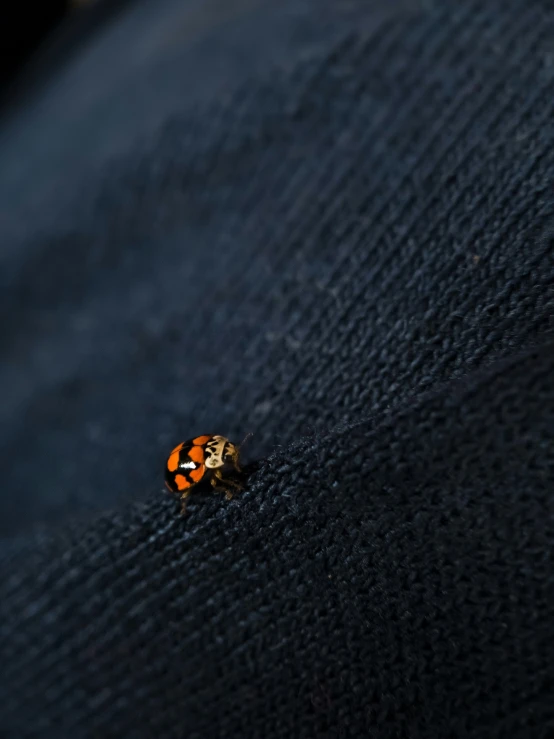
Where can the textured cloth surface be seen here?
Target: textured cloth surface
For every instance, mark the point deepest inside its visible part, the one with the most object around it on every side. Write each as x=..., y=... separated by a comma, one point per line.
x=330, y=225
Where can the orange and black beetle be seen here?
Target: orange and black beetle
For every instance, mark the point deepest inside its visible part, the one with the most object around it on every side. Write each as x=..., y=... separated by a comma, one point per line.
x=203, y=458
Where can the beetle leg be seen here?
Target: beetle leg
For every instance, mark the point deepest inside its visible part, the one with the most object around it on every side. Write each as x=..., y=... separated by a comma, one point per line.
x=218, y=482
x=184, y=497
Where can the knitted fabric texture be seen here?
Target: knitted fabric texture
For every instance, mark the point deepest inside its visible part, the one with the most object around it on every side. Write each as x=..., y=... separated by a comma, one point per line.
x=331, y=226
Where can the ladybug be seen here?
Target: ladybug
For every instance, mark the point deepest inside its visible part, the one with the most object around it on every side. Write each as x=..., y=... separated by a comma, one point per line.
x=202, y=458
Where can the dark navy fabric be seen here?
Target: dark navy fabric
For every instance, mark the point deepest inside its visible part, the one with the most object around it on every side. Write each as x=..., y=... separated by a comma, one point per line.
x=330, y=225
